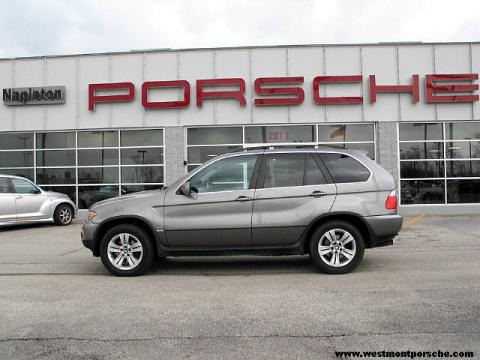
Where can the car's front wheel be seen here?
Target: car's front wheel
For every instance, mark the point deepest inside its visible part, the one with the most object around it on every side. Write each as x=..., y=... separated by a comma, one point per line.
x=126, y=250
x=337, y=247
x=63, y=215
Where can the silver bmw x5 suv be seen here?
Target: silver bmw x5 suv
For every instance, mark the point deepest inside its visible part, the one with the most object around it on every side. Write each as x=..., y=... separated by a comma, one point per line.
x=328, y=202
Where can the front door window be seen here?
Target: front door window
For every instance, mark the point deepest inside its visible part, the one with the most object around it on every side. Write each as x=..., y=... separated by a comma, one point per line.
x=230, y=174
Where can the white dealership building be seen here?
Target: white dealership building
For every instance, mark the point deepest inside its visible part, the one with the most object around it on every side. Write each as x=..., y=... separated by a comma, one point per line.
x=100, y=125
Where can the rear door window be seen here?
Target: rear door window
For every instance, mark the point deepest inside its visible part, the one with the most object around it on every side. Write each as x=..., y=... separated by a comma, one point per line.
x=284, y=170
x=345, y=169
x=313, y=174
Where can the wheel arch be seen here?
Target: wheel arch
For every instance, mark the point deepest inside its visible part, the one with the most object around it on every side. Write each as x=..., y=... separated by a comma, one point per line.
x=122, y=220
x=352, y=218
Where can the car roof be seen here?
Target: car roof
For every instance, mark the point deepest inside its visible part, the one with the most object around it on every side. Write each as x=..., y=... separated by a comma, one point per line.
x=13, y=176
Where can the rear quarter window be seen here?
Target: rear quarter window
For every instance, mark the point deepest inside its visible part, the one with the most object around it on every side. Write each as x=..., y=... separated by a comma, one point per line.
x=345, y=169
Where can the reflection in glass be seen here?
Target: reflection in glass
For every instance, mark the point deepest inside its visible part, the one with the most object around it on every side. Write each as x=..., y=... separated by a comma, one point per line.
x=421, y=150
x=421, y=131
x=26, y=173
x=214, y=135
x=463, y=150
x=97, y=139
x=468, y=168
x=11, y=141
x=89, y=195
x=142, y=156
x=97, y=157
x=142, y=174
x=462, y=130
x=16, y=159
x=98, y=175
x=56, y=158
x=348, y=132
x=56, y=140
x=463, y=191
x=279, y=134
x=423, y=192
x=201, y=154
x=421, y=169
x=141, y=137
x=55, y=176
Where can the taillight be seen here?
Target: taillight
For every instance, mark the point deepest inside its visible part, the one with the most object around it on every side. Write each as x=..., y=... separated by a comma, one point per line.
x=392, y=202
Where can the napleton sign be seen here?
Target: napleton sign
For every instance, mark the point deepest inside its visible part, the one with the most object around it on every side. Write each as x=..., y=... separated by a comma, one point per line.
x=34, y=95
x=271, y=91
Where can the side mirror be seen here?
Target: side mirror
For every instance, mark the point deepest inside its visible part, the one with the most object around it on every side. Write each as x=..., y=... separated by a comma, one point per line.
x=186, y=189
x=36, y=191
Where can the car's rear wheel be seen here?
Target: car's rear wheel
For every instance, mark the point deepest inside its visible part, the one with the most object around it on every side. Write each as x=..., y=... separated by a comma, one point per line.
x=126, y=250
x=63, y=215
x=337, y=247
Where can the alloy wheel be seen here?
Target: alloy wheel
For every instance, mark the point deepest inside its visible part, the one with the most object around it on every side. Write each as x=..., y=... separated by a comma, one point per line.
x=337, y=247
x=65, y=215
x=125, y=251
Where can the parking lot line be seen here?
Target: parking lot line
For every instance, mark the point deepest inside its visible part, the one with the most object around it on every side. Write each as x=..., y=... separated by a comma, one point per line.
x=414, y=220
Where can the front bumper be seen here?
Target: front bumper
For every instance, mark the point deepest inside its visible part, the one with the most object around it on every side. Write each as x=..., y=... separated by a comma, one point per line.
x=383, y=229
x=87, y=235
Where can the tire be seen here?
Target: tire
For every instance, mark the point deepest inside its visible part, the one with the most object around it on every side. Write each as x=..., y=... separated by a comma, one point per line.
x=337, y=257
x=63, y=215
x=133, y=244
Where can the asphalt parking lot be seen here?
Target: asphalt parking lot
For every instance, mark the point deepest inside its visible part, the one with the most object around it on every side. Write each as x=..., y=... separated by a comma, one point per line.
x=57, y=301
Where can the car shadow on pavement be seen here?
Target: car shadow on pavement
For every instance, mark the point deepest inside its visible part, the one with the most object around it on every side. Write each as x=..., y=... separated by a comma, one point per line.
x=19, y=227
x=233, y=265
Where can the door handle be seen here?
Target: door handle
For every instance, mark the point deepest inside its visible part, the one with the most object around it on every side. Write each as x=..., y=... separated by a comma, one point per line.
x=242, y=198
x=318, y=193
x=19, y=197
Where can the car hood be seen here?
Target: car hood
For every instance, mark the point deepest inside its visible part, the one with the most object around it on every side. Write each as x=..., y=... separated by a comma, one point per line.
x=139, y=195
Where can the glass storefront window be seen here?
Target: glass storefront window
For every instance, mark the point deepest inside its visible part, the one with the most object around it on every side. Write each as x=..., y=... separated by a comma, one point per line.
x=97, y=157
x=461, y=160
x=279, y=134
x=55, y=176
x=345, y=133
x=421, y=131
x=88, y=139
x=463, y=149
x=142, y=174
x=13, y=141
x=142, y=137
x=26, y=173
x=89, y=195
x=56, y=158
x=462, y=130
x=98, y=175
x=53, y=160
x=141, y=156
x=421, y=150
x=214, y=135
x=56, y=140
x=16, y=159
x=422, y=192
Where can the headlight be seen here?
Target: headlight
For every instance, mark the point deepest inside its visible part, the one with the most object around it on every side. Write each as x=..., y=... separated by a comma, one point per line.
x=92, y=215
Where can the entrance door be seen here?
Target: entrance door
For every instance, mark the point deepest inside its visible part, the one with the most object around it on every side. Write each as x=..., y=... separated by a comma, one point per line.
x=219, y=211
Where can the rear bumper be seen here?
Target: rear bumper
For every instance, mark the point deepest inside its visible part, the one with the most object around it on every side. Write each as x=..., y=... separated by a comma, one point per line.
x=383, y=229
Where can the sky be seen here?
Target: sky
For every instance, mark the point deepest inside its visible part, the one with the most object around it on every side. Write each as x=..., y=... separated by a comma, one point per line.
x=55, y=27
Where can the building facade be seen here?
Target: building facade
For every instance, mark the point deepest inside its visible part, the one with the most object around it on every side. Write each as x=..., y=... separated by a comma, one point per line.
x=100, y=125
